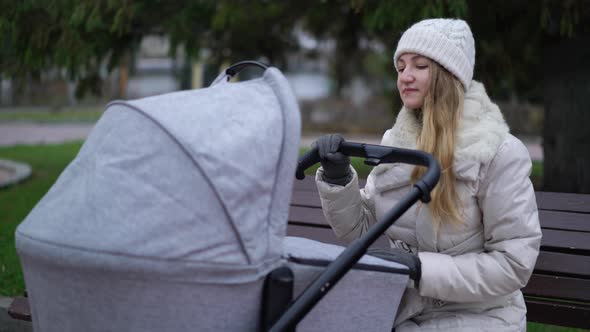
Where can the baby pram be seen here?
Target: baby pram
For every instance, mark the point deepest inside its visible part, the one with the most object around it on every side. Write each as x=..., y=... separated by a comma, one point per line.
x=173, y=216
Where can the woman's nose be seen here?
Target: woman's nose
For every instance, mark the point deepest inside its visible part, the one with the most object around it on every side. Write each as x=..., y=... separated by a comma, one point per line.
x=406, y=76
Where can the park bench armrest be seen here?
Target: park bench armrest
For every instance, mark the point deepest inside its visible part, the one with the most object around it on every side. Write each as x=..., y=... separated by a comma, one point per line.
x=19, y=309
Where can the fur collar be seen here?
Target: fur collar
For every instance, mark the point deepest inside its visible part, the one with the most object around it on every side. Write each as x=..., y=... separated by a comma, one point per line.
x=481, y=130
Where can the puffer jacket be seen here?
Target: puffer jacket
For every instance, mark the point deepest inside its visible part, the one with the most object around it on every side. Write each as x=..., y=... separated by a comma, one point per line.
x=471, y=273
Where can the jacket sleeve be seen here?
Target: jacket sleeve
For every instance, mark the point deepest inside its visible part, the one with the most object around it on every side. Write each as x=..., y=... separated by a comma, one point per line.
x=512, y=236
x=348, y=210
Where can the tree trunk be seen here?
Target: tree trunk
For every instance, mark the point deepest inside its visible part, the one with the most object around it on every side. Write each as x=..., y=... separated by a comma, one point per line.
x=123, y=79
x=566, y=138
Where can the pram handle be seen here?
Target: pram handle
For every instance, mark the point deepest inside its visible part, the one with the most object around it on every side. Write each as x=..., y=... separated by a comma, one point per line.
x=238, y=67
x=379, y=154
x=375, y=155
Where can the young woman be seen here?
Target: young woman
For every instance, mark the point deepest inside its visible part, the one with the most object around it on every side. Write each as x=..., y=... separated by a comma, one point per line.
x=475, y=244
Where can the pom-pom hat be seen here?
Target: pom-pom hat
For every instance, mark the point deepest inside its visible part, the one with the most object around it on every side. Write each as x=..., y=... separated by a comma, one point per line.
x=449, y=42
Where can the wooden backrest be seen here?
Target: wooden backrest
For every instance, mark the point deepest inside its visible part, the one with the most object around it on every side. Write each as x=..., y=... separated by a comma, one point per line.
x=559, y=289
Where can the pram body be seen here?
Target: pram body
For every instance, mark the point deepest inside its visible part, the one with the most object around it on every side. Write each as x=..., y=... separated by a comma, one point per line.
x=173, y=214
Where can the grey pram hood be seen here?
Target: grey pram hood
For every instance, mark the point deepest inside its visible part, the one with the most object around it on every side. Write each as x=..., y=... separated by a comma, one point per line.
x=193, y=185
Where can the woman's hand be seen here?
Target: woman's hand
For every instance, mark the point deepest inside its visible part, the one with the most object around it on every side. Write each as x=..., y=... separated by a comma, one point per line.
x=336, y=164
x=400, y=256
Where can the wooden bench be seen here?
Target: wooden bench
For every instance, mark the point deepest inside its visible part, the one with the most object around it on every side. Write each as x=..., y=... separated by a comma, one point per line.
x=558, y=292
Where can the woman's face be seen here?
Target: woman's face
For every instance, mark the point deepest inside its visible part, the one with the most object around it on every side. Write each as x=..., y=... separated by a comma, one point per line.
x=413, y=79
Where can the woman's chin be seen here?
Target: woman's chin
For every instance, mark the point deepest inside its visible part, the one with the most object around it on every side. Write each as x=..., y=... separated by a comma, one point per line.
x=412, y=105
x=412, y=100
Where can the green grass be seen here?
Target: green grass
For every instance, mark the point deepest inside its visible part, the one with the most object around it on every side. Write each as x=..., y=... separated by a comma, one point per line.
x=43, y=115
x=536, y=327
x=47, y=162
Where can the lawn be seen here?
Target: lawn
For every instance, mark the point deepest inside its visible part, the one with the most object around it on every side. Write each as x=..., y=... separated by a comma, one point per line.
x=69, y=114
x=48, y=161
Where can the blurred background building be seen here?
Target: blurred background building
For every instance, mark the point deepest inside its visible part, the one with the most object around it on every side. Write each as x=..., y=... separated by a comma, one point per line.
x=365, y=104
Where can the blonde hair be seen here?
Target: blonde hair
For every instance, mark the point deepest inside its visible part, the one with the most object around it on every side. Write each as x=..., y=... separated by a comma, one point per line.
x=440, y=114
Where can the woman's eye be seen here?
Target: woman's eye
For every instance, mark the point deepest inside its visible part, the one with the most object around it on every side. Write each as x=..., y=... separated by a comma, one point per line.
x=399, y=70
x=421, y=66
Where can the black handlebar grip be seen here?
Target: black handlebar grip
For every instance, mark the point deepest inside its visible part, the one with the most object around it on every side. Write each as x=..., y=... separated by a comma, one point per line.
x=237, y=67
x=376, y=154
x=306, y=161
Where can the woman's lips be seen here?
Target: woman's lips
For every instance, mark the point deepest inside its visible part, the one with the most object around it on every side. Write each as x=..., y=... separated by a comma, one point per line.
x=408, y=90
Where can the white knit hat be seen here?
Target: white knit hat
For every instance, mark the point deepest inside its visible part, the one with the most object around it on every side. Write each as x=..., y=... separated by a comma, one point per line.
x=446, y=41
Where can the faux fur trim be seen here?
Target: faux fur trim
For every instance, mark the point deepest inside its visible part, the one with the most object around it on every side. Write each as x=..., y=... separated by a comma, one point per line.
x=481, y=129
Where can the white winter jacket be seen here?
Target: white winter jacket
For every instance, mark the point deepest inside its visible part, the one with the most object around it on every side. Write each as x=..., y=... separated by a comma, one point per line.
x=471, y=274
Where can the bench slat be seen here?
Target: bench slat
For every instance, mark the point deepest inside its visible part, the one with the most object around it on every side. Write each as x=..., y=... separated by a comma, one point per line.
x=566, y=202
x=306, y=198
x=558, y=287
x=558, y=313
x=579, y=222
x=315, y=233
x=309, y=216
x=567, y=240
x=563, y=201
x=556, y=263
x=552, y=239
x=307, y=184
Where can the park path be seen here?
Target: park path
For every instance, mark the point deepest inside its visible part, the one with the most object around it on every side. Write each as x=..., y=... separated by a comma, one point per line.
x=12, y=133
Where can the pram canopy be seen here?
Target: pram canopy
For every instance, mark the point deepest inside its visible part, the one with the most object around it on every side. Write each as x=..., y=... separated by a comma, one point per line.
x=173, y=213
x=200, y=168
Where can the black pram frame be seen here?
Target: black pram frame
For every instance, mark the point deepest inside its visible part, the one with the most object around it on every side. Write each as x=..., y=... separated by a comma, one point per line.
x=290, y=313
